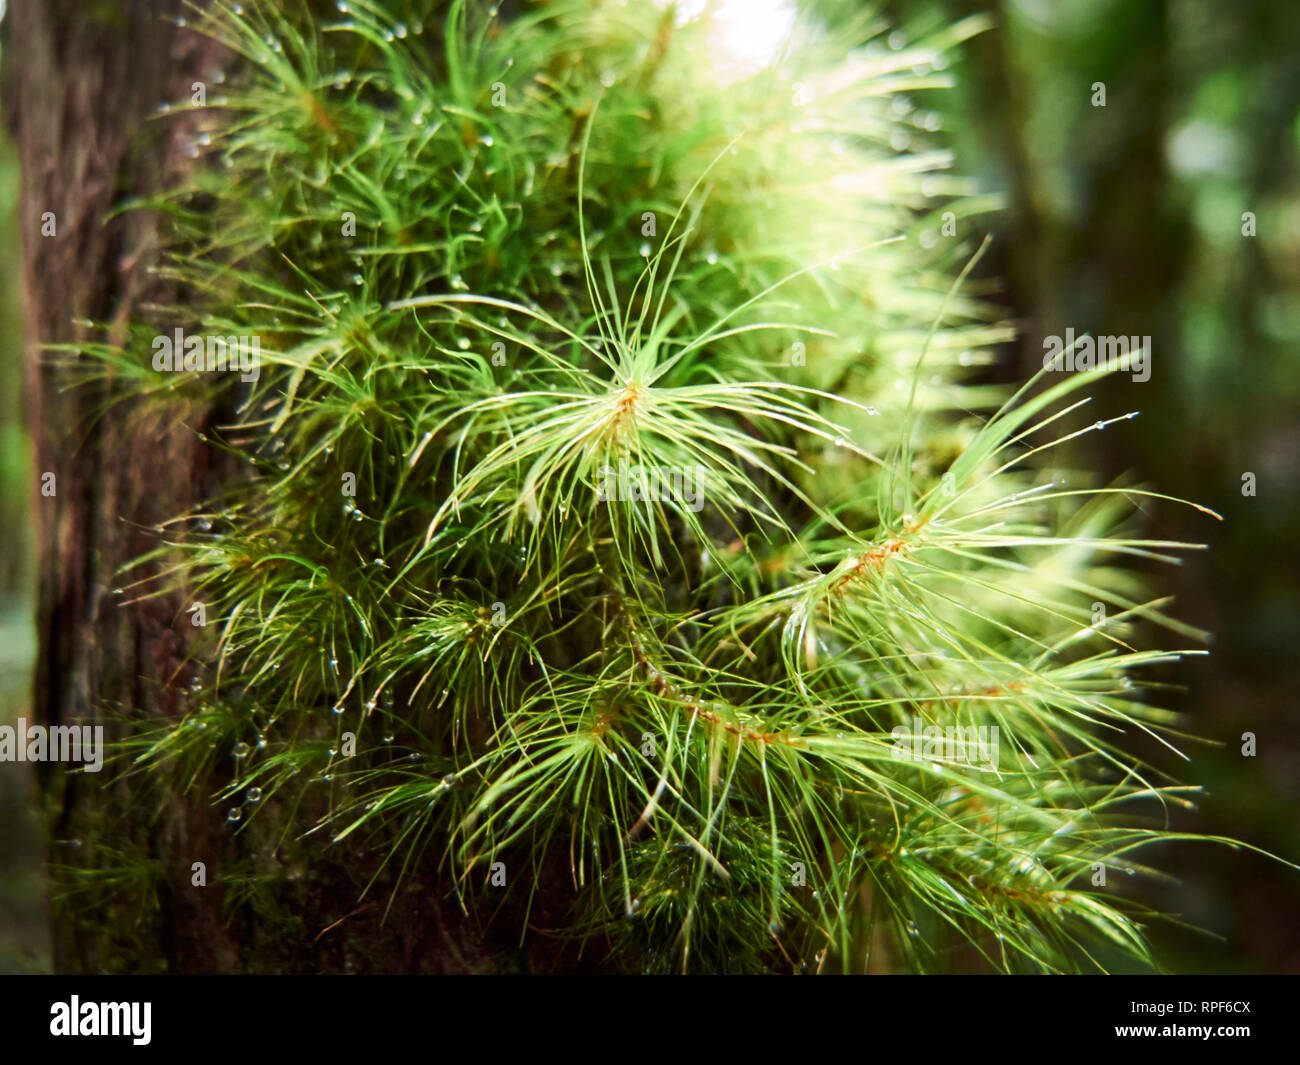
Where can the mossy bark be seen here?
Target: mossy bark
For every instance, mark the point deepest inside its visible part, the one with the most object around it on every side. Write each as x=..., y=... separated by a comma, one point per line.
x=82, y=80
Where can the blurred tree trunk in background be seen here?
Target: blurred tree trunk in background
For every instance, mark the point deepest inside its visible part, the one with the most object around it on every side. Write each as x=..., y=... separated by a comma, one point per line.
x=81, y=78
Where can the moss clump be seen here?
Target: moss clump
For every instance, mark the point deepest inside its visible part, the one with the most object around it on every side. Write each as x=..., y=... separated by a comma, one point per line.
x=614, y=513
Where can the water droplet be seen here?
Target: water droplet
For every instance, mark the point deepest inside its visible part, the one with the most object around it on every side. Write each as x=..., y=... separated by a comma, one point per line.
x=234, y=813
x=1131, y=872
x=240, y=750
x=448, y=781
x=463, y=343
x=196, y=685
x=486, y=140
x=712, y=258
x=261, y=741
x=644, y=250
x=912, y=930
x=327, y=776
x=872, y=411
x=388, y=738
x=254, y=794
x=476, y=226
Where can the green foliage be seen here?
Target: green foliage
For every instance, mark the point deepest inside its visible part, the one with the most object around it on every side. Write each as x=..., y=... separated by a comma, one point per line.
x=694, y=713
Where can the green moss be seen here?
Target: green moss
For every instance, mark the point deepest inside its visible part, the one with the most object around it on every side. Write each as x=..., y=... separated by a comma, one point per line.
x=490, y=269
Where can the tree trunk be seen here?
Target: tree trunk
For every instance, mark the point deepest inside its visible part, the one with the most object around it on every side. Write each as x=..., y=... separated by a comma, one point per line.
x=82, y=80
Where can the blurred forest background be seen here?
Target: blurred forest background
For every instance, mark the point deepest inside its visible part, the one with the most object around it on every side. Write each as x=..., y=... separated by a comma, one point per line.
x=1127, y=219
x=1121, y=219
